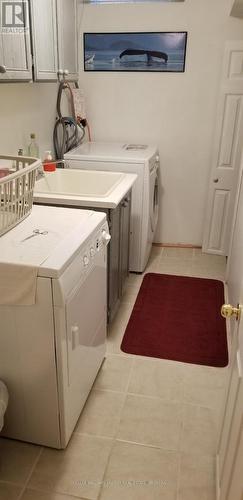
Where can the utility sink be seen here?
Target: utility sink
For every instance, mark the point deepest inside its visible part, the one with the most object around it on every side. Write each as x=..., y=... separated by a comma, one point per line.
x=79, y=182
x=83, y=188
x=107, y=191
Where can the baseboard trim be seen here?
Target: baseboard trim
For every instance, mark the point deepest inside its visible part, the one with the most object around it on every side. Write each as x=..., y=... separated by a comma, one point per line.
x=176, y=245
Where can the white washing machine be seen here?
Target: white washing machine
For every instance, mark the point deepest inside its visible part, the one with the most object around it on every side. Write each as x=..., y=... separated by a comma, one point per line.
x=51, y=350
x=131, y=158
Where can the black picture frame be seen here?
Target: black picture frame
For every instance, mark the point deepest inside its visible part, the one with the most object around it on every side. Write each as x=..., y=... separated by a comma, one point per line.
x=152, y=51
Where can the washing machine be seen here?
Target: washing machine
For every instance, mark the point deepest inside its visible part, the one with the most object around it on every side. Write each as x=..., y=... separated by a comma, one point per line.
x=53, y=268
x=142, y=160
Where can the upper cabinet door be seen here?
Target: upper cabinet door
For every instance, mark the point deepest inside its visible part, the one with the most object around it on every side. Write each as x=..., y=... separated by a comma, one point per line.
x=44, y=37
x=237, y=8
x=15, y=51
x=67, y=38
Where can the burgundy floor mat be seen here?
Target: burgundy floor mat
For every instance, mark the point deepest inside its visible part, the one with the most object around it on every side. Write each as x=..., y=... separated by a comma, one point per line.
x=178, y=318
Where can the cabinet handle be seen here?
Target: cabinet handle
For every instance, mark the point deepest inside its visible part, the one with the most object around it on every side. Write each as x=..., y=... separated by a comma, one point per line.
x=215, y=180
x=60, y=72
x=3, y=68
x=65, y=72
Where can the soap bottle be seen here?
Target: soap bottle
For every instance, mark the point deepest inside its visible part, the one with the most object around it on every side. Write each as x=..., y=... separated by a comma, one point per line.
x=33, y=148
x=48, y=164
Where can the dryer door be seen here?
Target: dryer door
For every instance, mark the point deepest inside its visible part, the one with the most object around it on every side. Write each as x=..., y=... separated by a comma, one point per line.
x=154, y=198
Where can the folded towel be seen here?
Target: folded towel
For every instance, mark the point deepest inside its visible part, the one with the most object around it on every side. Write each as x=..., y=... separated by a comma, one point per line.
x=17, y=284
x=79, y=103
x=3, y=402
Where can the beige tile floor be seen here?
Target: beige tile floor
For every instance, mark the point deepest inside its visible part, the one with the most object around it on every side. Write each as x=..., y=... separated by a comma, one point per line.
x=149, y=428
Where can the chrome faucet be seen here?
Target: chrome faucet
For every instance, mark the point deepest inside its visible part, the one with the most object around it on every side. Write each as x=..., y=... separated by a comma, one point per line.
x=40, y=171
x=62, y=162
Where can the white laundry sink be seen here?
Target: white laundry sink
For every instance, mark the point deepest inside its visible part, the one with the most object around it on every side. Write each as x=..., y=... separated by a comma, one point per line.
x=79, y=182
x=83, y=187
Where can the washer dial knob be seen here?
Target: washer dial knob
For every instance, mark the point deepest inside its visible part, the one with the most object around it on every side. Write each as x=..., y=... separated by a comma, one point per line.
x=85, y=260
x=105, y=236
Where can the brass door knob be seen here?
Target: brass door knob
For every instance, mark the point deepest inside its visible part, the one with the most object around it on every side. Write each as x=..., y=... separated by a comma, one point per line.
x=227, y=310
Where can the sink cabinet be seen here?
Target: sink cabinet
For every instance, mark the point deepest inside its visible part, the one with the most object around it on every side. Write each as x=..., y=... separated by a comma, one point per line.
x=118, y=252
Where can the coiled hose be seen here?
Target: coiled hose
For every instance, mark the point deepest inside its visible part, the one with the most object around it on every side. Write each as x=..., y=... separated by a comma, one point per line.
x=67, y=133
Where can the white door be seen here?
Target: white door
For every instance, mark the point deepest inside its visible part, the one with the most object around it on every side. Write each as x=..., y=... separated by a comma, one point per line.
x=67, y=37
x=230, y=453
x=230, y=450
x=44, y=36
x=226, y=153
x=15, y=51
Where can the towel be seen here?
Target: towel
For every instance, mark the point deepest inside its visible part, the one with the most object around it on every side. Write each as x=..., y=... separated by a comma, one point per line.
x=17, y=284
x=79, y=103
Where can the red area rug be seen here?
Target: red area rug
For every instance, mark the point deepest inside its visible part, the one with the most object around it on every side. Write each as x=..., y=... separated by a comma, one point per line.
x=178, y=318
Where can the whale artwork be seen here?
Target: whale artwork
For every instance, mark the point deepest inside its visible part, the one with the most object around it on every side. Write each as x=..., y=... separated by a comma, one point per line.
x=150, y=54
x=152, y=51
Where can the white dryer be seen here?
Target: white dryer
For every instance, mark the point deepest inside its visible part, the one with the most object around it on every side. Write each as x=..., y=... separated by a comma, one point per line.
x=142, y=160
x=51, y=349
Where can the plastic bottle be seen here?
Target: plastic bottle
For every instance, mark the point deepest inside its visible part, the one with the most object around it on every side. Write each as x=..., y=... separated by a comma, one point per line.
x=48, y=164
x=33, y=148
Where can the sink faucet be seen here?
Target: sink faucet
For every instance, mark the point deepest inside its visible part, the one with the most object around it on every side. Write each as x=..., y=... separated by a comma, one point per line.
x=41, y=172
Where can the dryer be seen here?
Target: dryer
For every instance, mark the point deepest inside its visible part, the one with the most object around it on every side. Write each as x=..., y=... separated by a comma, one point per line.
x=51, y=349
x=142, y=160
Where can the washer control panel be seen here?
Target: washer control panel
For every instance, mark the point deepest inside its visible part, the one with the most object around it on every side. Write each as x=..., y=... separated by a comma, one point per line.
x=154, y=162
x=94, y=246
x=91, y=254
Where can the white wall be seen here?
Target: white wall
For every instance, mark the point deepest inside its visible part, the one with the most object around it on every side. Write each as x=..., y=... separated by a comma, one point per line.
x=26, y=108
x=177, y=111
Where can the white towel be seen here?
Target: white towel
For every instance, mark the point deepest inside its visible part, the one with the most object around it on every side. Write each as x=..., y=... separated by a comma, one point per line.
x=17, y=284
x=3, y=402
x=79, y=103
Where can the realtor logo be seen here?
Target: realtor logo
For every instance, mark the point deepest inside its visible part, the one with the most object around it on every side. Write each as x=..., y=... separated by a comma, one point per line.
x=13, y=16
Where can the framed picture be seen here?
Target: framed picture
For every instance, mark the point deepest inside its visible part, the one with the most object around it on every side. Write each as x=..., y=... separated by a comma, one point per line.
x=150, y=51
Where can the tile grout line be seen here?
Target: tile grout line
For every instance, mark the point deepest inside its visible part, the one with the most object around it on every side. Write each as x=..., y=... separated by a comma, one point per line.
x=114, y=438
x=144, y=445
x=55, y=492
x=178, y=476
x=30, y=474
x=148, y=445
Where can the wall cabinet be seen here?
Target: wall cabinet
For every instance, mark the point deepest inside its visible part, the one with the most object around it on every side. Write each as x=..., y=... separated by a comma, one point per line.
x=44, y=36
x=67, y=38
x=237, y=8
x=15, y=45
x=49, y=43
